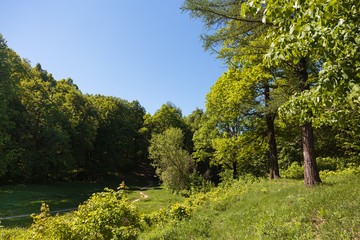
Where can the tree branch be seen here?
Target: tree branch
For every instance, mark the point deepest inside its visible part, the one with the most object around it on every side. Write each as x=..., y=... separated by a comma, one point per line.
x=232, y=18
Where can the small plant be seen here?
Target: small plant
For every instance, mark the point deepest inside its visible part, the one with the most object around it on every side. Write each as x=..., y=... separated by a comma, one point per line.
x=40, y=221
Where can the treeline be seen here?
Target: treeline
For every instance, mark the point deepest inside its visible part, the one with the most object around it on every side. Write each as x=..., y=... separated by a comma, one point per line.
x=49, y=130
x=288, y=105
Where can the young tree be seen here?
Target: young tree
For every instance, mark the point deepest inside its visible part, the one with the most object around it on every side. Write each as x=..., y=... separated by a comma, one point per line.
x=166, y=117
x=172, y=162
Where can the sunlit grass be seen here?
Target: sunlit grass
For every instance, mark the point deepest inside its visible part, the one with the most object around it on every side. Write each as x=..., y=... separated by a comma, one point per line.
x=280, y=209
x=158, y=198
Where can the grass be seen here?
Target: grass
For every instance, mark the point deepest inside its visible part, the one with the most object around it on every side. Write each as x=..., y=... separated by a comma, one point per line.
x=158, y=197
x=277, y=209
x=26, y=199
x=280, y=209
x=21, y=199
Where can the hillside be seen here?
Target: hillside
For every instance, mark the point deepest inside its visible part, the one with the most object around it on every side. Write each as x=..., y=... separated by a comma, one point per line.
x=243, y=209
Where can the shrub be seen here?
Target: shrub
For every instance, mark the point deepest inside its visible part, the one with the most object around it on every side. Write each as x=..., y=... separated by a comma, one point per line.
x=295, y=171
x=105, y=215
x=336, y=163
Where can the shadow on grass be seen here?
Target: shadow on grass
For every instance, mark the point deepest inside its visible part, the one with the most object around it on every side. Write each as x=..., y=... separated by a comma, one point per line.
x=22, y=199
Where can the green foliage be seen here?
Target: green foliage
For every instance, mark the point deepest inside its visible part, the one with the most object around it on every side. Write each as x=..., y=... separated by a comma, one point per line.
x=194, y=119
x=14, y=234
x=202, y=139
x=12, y=69
x=40, y=221
x=173, y=164
x=295, y=170
x=327, y=33
x=118, y=143
x=105, y=215
x=51, y=131
x=168, y=116
x=337, y=163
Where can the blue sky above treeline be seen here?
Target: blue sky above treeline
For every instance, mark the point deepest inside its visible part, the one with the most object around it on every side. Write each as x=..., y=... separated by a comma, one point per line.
x=135, y=50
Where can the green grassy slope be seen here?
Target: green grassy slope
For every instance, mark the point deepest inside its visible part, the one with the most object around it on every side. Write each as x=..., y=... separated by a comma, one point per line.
x=281, y=209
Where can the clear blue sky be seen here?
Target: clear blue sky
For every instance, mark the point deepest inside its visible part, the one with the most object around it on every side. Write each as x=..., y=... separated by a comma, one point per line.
x=135, y=50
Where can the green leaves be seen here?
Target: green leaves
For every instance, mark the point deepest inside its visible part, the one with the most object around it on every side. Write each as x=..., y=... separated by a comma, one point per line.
x=105, y=215
x=49, y=130
x=173, y=164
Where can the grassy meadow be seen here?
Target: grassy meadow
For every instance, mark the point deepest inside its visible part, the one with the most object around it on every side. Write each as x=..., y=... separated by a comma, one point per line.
x=244, y=209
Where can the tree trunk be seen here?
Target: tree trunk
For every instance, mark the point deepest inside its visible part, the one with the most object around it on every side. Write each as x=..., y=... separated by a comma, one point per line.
x=274, y=166
x=234, y=169
x=270, y=118
x=311, y=173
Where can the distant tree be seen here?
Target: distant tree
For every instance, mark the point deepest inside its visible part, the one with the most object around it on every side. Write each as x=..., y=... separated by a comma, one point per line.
x=49, y=130
x=172, y=162
x=166, y=117
x=118, y=144
x=194, y=119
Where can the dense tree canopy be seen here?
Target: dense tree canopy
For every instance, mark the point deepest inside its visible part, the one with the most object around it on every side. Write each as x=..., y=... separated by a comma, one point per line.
x=50, y=130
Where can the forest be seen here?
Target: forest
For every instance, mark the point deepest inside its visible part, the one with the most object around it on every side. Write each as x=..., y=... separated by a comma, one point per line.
x=287, y=107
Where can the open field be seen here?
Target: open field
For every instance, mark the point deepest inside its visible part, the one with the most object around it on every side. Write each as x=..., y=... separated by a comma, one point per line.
x=25, y=199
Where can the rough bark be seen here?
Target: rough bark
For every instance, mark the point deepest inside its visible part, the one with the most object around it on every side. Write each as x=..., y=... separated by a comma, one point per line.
x=270, y=118
x=311, y=173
